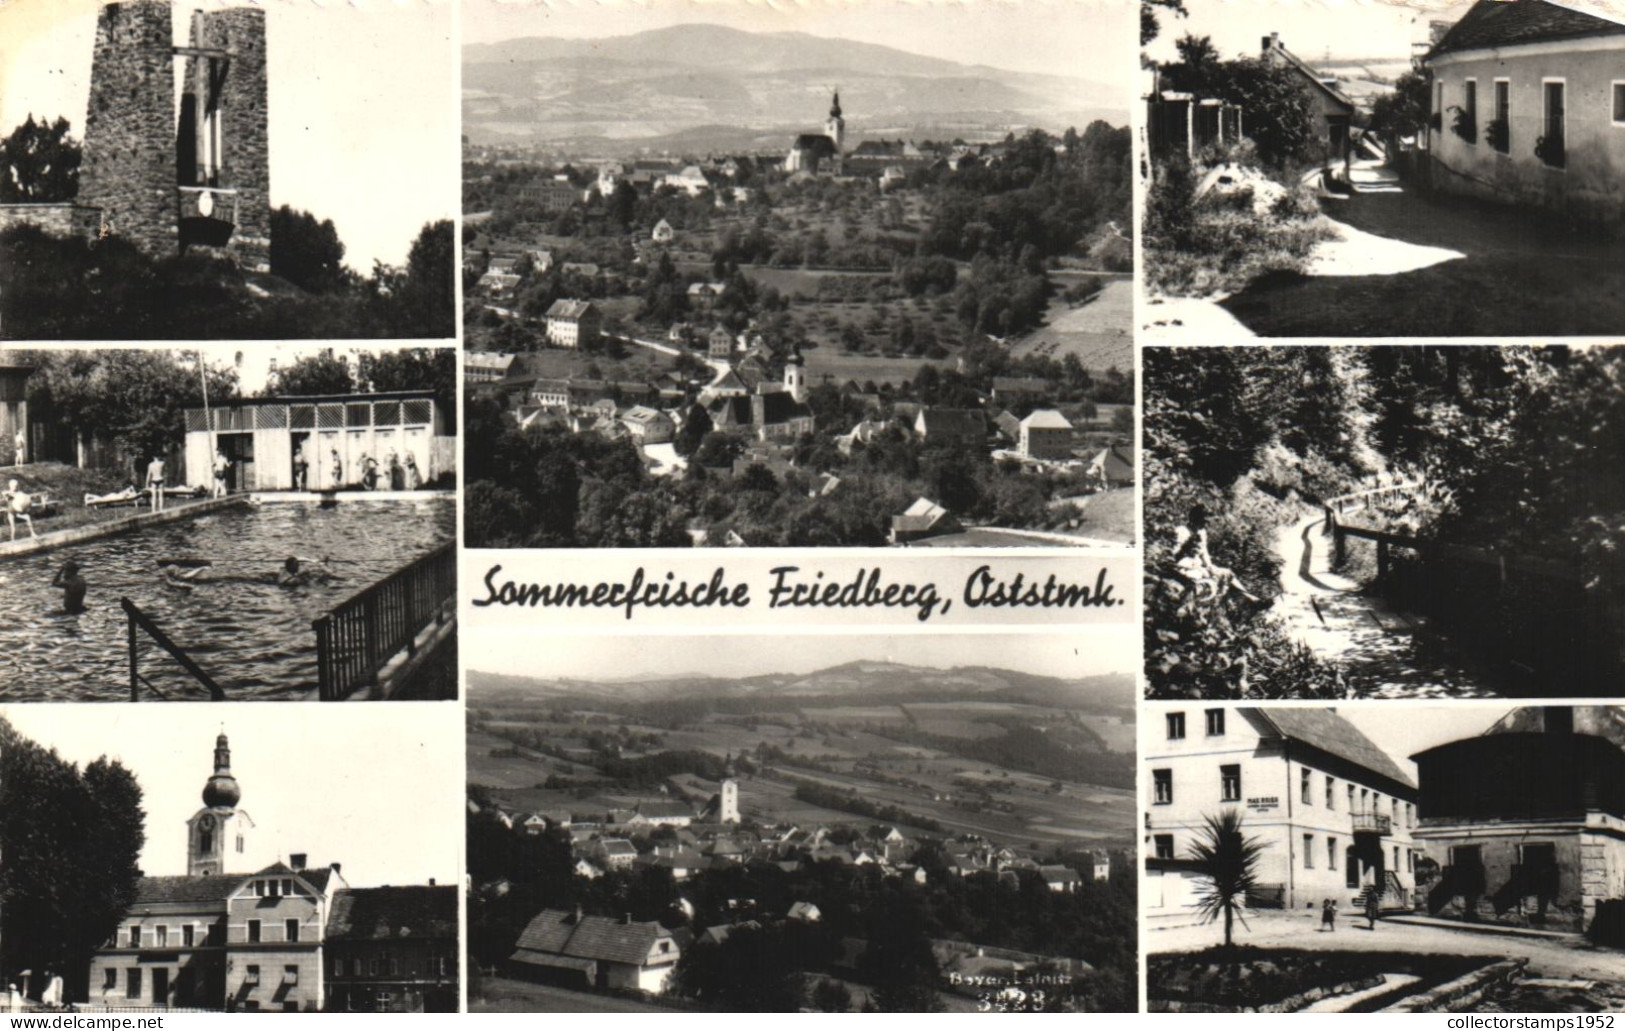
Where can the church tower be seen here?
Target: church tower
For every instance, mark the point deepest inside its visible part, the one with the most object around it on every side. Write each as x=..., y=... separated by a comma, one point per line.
x=795, y=375
x=217, y=835
x=835, y=129
x=728, y=810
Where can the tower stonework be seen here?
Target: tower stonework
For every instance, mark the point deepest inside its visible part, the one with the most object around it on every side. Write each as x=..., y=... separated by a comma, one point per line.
x=199, y=181
x=127, y=171
x=728, y=807
x=229, y=135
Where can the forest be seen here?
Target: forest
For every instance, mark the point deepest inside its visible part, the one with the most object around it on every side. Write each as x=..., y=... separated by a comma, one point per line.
x=1511, y=556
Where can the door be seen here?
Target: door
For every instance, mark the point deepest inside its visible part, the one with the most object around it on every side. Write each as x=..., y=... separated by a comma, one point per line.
x=160, y=986
x=327, y=442
x=301, y=447
x=239, y=450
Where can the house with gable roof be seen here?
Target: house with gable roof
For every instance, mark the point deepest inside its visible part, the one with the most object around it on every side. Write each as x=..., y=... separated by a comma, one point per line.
x=571, y=948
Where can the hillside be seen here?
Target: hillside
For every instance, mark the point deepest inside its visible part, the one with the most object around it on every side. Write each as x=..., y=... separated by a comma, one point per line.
x=866, y=680
x=659, y=87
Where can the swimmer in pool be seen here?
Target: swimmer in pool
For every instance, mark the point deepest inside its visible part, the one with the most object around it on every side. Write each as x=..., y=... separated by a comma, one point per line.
x=73, y=587
x=293, y=574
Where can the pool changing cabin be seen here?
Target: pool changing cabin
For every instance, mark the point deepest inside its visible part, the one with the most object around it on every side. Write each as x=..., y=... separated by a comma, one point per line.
x=259, y=436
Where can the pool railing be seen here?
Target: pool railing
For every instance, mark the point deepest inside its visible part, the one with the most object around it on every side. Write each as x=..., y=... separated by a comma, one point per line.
x=360, y=635
x=138, y=620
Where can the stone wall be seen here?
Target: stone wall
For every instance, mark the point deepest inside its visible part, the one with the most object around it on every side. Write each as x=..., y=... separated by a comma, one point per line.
x=243, y=110
x=57, y=219
x=129, y=150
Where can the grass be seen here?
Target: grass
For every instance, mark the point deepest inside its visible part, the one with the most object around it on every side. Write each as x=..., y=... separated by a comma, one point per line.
x=1099, y=331
x=67, y=487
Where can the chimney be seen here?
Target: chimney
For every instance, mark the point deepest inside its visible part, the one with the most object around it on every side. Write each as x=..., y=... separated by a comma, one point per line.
x=576, y=919
x=431, y=882
x=297, y=860
x=626, y=918
x=336, y=867
x=1271, y=42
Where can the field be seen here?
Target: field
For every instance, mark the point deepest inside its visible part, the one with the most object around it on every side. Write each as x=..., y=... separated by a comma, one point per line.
x=831, y=747
x=1097, y=331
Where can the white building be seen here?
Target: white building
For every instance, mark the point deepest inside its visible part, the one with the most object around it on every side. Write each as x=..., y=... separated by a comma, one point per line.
x=1333, y=810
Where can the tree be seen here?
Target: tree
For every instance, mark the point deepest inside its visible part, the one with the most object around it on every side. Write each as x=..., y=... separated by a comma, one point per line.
x=695, y=429
x=1404, y=111
x=71, y=841
x=428, y=294
x=306, y=252
x=1228, y=862
x=39, y=164
x=311, y=376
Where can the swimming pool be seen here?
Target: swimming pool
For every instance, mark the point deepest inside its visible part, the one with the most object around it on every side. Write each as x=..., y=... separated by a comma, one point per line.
x=253, y=637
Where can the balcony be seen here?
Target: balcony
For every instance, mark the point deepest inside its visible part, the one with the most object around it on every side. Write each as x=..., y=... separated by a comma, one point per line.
x=208, y=215
x=1373, y=823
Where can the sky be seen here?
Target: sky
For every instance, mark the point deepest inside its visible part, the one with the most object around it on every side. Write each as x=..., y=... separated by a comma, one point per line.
x=1312, y=29
x=1402, y=731
x=377, y=788
x=364, y=116
x=1090, y=39
x=1080, y=652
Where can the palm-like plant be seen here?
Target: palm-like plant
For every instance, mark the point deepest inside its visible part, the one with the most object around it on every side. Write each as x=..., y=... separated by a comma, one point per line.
x=1228, y=859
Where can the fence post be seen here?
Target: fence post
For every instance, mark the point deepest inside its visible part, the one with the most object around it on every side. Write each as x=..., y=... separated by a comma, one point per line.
x=324, y=645
x=135, y=676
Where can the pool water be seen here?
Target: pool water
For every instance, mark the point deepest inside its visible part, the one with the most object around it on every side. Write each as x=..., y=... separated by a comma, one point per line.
x=252, y=636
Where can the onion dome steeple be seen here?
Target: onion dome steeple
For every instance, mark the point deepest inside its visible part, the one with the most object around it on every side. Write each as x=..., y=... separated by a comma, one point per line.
x=835, y=105
x=221, y=791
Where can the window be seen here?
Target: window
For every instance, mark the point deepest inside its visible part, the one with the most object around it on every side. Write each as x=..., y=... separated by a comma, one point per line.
x=259, y=889
x=290, y=974
x=205, y=842
x=1553, y=145
x=1305, y=776
x=1162, y=782
x=1410, y=814
x=338, y=967
x=1503, y=115
x=1308, y=851
x=1396, y=857
x=132, y=983
x=1331, y=852
x=1619, y=102
x=1176, y=726
x=253, y=930
x=217, y=934
x=187, y=935
x=1215, y=723
x=395, y=966
x=1351, y=799
x=252, y=977
x=290, y=930
x=1469, y=107
x=372, y=966
x=1230, y=783
x=135, y=936
x=1331, y=798
x=1410, y=862
x=239, y=843
x=287, y=886
x=355, y=968
x=109, y=979
x=161, y=937
x=1365, y=801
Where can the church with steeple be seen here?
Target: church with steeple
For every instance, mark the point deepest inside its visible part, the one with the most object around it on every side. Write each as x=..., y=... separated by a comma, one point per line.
x=820, y=154
x=288, y=937
x=723, y=806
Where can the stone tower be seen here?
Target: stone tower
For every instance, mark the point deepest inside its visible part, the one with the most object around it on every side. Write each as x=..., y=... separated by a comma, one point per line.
x=728, y=807
x=202, y=180
x=128, y=171
x=217, y=835
x=835, y=129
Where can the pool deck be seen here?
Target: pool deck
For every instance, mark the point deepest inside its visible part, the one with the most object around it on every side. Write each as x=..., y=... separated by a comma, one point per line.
x=308, y=497
x=55, y=539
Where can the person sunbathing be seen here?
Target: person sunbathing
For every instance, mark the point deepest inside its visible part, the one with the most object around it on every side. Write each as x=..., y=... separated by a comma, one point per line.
x=129, y=493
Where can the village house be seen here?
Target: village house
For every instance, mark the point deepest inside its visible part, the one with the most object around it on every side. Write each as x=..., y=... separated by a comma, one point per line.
x=662, y=232
x=1334, y=110
x=1334, y=812
x=1526, y=822
x=1017, y=390
x=648, y=425
x=569, y=948
x=1047, y=435
x=553, y=195
x=1112, y=466
x=393, y=950
x=720, y=344
x=1529, y=107
x=691, y=181
x=952, y=426
x=572, y=323
x=924, y=518
x=486, y=366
